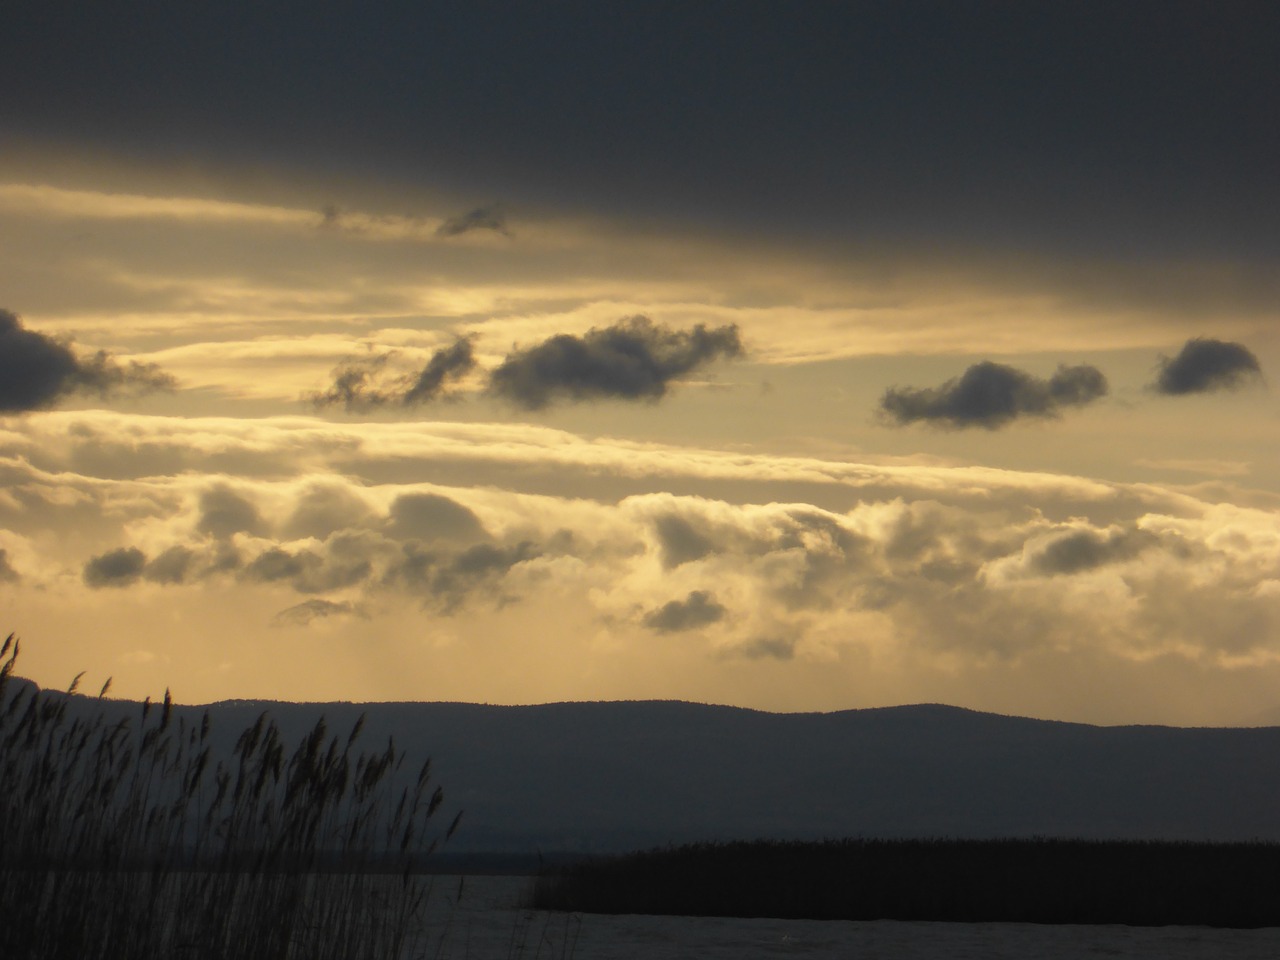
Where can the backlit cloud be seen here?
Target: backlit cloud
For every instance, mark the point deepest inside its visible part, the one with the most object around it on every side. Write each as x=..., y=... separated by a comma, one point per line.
x=634, y=359
x=992, y=395
x=1204, y=365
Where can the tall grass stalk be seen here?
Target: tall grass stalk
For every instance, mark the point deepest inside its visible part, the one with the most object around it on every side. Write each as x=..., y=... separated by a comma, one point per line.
x=135, y=839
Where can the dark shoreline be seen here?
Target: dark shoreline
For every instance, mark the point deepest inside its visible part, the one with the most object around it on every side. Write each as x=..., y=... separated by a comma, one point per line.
x=1138, y=883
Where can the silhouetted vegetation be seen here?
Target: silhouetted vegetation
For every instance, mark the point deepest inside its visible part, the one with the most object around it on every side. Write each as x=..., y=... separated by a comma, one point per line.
x=1036, y=881
x=136, y=841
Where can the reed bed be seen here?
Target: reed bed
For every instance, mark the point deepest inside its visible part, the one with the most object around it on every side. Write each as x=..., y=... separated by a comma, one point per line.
x=133, y=839
x=1059, y=881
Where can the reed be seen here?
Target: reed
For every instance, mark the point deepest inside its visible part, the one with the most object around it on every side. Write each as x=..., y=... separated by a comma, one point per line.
x=133, y=838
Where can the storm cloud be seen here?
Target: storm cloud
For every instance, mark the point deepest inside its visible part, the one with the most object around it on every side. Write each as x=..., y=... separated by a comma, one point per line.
x=992, y=395
x=358, y=385
x=36, y=371
x=699, y=609
x=1205, y=365
x=634, y=359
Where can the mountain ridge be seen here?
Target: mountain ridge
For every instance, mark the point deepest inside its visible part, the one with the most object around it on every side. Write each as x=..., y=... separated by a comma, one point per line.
x=608, y=776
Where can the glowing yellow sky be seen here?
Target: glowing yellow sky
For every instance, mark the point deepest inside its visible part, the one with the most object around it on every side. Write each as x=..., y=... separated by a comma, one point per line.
x=758, y=536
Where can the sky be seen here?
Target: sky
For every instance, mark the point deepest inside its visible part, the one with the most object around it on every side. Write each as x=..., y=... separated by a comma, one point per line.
x=793, y=356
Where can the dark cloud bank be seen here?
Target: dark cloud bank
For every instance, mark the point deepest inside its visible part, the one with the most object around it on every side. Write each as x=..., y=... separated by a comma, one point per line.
x=36, y=371
x=1075, y=124
x=992, y=395
x=1205, y=365
x=634, y=359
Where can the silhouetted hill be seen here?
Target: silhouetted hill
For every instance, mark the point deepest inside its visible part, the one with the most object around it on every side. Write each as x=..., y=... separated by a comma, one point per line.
x=613, y=776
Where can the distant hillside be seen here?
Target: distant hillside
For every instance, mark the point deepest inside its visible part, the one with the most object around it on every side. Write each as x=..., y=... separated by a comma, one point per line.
x=625, y=775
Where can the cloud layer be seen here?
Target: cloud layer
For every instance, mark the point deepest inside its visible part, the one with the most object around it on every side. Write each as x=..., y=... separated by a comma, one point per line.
x=858, y=573
x=992, y=395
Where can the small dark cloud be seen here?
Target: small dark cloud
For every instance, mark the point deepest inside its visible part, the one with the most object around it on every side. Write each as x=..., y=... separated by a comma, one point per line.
x=354, y=385
x=276, y=564
x=7, y=573
x=224, y=512
x=679, y=542
x=36, y=371
x=774, y=648
x=447, y=363
x=1084, y=550
x=491, y=218
x=304, y=613
x=699, y=609
x=635, y=359
x=115, y=568
x=1205, y=365
x=449, y=579
x=172, y=566
x=992, y=395
x=429, y=516
x=330, y=216
x=306, y=571
x=358, y=384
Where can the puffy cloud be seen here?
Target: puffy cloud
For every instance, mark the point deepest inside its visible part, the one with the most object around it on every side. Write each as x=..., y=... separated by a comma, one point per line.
x=678, y=540
x=36, y=371
x=171, y=566
x=634, y=359
x=7, y=573
x=430, y=516
x=306, y=571
x=115, y=568
x=992, y=395
x=358, y=384
x=223, y=512
x=1204, y=365
x=491, y=218
x=699, y=609
x=447, y=580
x=325, y=508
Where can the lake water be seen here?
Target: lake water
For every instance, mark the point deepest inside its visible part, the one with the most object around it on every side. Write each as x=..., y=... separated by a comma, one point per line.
x=487, y=923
